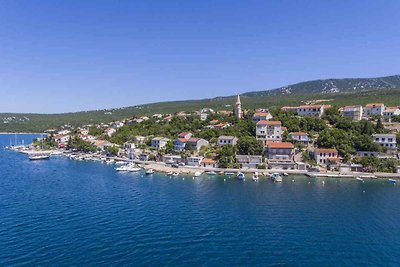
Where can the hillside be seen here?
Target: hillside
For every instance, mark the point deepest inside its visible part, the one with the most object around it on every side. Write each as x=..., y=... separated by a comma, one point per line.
x=335, y=91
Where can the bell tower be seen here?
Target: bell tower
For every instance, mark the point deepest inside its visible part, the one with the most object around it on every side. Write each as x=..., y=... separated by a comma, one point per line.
x=238, y=109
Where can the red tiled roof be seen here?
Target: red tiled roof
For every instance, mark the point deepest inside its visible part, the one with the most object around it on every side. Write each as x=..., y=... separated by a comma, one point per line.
x=375, y=104
x=261, y=114
x=298, y=133
x=326, y=150
x=208, y=161
x=269, y=123
x=280, y=145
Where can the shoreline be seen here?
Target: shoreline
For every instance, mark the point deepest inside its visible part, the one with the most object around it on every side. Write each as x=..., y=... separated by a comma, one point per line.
x=3, y=133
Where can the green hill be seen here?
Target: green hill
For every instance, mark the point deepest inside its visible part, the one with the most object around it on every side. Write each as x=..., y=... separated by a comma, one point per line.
x=348, y=91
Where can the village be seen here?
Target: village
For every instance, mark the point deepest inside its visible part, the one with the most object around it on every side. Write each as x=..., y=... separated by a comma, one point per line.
x=308, y=138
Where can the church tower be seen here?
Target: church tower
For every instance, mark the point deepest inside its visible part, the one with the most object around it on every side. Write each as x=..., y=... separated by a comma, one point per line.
x=238, y=109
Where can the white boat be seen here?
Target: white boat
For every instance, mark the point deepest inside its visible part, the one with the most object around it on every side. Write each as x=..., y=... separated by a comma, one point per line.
x=285, y=174
x=393, y=181
x=197, y=174
x=229, y=173
x=39, y=156
x=211, y=173
x=276, y=177
x=360, y=179
x=240, y=175
x=170, y=173
x=149, y=171
x=175, y=174
x=133, y=169
x=123, y=168
x=255, y=177
x=110, y=161
x=119, y=163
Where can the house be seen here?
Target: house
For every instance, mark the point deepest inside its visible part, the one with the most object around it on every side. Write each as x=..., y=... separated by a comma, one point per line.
x=314, y=110
x=172, y=159
x=261, y=116
x=213, y=122
x=194, y=161
x=109, y=131
x=287, y=109
x=227, y=140
x=88, y=137
x=373, y=109
x=220, y=126
x=209, y=163
x=117, y=124
x=203, y=116
x=157, y=116
x=279, y=155
x=279, y=150
x=64, y=132
x=390, y=112
x=300, y=137
x=185, y=135
x=159, y=142
x=83, y=131
x=249, y=161
x=61, y=139
x=129, y=150
x=354, y=113
x=386, y=140
x=322, y=155
x=144, y=157
x=180, y=144
x=367, y=154
x=269, y=131
x=139, y=139
x=196, y=144
x=103, y=144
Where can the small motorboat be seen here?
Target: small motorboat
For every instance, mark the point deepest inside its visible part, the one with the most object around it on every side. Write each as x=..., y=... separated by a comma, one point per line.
x=276, y=177
x=360, y=179
x=393, y=181
x=170, y=173
x=123, y=168
x=285, y=174
x=175, y=174
x=229, y=173
x=197, y=174
x=255, y=177
x=240, y=175
x=39, y=156
x=149, y=171
x=211, y=173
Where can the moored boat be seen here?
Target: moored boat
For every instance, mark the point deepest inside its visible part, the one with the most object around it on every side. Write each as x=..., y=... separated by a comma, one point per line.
x=39, y=156
x=360, y=179
x=393, y=181
x=240, y=175
x=255, y=177
x=197, y=174
x=149, y=171
x=276, y=177
x=211, y=173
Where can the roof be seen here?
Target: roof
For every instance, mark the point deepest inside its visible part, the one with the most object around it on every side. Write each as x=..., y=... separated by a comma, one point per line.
x=269, y=123
x=326, y=150
x=391, y=109
x=260, y=114
x=183, y=140
x=298, y=133
x=375, y=105
x=333, y=159
x=352, y=107
x=208, y=161
x=227, y=137
x=311, y=106
x=219, y=125
x=183, y=134
x=280, y=145
x=194, y=139
x=214, y=121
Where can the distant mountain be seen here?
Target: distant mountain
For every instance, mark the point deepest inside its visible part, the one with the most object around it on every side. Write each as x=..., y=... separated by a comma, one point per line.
x=333, y=86
x=334, y=91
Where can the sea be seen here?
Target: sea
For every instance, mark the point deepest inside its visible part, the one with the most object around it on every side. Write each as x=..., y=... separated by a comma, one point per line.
x=61, y=212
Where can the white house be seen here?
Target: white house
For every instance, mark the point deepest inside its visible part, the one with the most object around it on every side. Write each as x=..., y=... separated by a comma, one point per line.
x=159, y=142
x=185, y=135
x=299, y=137
x=209, y=163
x=194, y=161
x=390, y=112
x=314, y=110
x=322, y=155
x=386, y=140
x=354, y=113
x=261, y=116
x=196, y=143
x=249, y=161
x=180, y=144
x=374, y=109
x=109, y=131
x=227, y=140
x=269, y=131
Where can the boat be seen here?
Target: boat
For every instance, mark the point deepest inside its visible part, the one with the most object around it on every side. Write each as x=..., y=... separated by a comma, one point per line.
x=285, y=174
x=360, y=179
x=229, y=173
x=110, y=161
x=170, y=173
x=149, y=171
x=133, y=168
x=276, y=177
x=255, y=177
x=197, y=174
x=119, y=163
x=240, y=176
x=393, y=181
x=211, y=173
x=175, y=174
x=123, y=168
x=39, y=156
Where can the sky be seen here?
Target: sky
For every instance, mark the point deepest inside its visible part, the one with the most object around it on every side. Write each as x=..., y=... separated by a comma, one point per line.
x=61, y=56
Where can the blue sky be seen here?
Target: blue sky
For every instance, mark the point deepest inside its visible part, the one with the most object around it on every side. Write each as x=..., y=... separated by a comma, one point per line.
x=58, y=56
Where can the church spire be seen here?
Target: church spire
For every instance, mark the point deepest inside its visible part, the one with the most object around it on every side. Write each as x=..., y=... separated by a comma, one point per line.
x=238, y=109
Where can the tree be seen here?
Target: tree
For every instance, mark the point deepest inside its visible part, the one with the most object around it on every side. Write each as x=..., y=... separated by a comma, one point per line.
x=249, y=145
x=227, y=156
x=113, y=150
x=379, y=128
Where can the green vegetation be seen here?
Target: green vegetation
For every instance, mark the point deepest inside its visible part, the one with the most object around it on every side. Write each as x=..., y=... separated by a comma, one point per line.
x=45, y=143
x=95, y=131
x=78, y=144
x=374, y=164
x=249, y=145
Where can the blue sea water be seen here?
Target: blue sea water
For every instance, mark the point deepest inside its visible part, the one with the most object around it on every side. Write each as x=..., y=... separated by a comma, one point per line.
x=62, y=212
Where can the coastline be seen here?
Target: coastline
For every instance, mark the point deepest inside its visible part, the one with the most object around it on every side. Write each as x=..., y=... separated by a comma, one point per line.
x=18, y=133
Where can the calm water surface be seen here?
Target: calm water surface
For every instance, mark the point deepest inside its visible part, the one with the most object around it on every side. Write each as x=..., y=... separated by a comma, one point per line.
x=62, y=212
